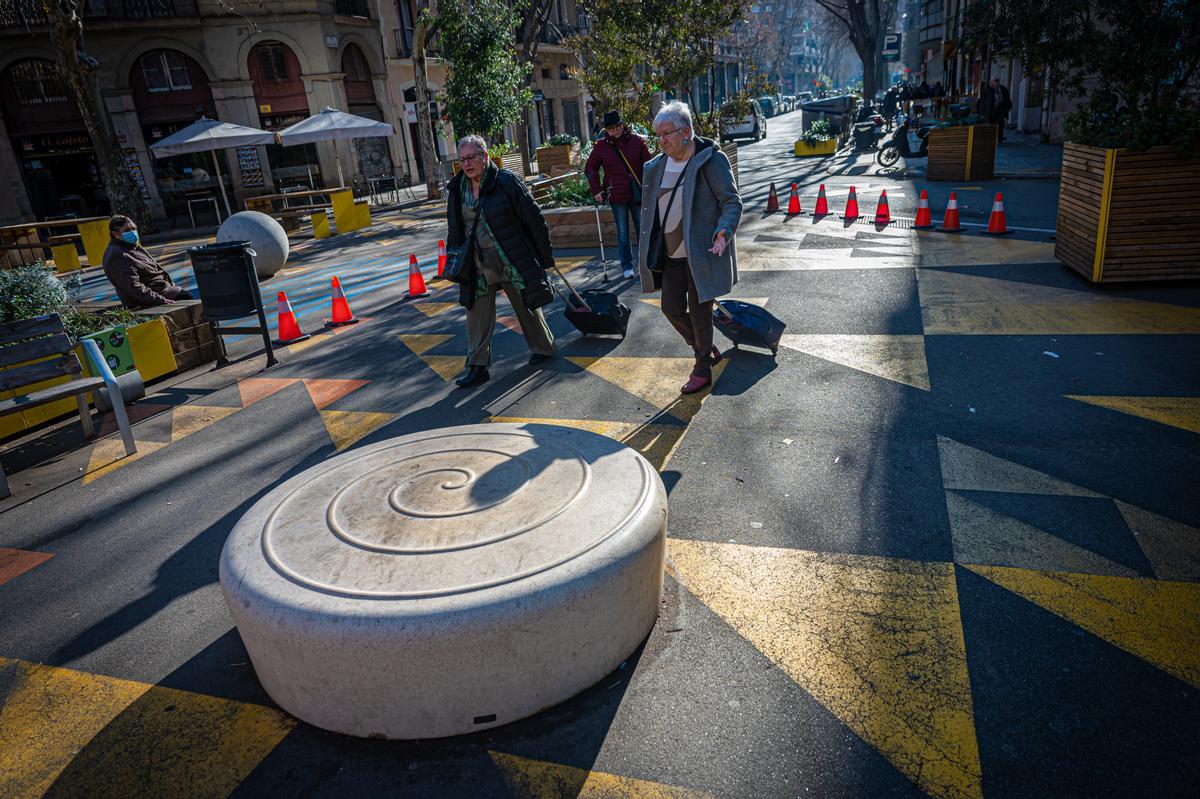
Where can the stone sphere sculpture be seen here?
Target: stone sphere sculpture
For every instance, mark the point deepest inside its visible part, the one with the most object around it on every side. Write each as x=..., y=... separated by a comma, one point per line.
x=448, y=581
x=266, y=236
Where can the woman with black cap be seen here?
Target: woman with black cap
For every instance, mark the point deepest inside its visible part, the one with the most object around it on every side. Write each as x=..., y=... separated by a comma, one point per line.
x=621, y=154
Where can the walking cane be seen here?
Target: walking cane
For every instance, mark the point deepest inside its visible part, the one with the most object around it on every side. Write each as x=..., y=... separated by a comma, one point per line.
x=600, y=235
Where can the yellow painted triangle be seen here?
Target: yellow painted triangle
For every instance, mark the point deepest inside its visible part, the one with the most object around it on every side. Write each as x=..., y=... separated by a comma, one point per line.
x=1156, y=620
x=1181, y=412
x=981, y=535
x=1173, y=548
x=65, y=729
x=434, y=308
x=655, y=380
x=538, y=779
x=422, y=343
x=655, y=442
x=953, y=303
x=655, y=301
x=877, y=641
x=900, y=359
x=188, y=419
x=347, y=427
x=109, y=455
x=969, y=469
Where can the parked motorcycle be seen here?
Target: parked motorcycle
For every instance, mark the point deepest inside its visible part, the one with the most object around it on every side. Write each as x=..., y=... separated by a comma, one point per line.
x=901, y=144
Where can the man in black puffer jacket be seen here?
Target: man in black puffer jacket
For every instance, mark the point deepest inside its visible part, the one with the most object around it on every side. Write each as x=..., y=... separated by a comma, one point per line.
x=509, y=249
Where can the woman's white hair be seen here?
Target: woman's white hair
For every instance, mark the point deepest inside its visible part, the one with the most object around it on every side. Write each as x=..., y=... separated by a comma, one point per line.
x=676, y=112
x=478, y=141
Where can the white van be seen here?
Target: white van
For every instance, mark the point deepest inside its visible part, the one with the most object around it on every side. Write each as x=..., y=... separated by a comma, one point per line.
x=753, y=126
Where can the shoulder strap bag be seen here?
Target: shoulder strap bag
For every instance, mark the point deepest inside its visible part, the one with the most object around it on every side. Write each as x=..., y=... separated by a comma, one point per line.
x=456, y=256
x=656, y=253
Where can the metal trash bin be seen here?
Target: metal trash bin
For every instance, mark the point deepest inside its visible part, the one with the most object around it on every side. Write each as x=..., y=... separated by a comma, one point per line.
x=228, y=287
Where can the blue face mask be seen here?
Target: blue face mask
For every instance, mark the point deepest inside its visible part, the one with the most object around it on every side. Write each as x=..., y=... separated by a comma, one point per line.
x=130, y=237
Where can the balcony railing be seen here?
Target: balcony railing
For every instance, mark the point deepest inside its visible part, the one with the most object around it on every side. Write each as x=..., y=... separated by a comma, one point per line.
x=29, y=14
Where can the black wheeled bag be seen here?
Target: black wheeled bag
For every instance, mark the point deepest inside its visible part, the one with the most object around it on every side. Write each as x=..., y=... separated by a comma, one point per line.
x=594, y=312
x=600, y=314
x=743, y=323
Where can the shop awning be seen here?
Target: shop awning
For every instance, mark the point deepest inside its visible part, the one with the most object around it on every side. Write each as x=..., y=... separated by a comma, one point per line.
x=332, y=124
x=209, y=134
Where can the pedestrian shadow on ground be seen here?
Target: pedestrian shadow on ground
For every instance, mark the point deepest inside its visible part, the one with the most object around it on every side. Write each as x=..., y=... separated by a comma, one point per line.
x=746, y=368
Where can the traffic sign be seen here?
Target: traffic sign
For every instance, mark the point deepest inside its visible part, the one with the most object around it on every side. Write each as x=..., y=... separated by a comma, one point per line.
x=891, y=47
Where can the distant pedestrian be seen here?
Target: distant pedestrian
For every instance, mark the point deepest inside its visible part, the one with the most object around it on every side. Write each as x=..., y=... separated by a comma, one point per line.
x=691, y=208
x=139, y=280
x=891, y=104
x=622, y=155
x=994, y=105
x=506, y=245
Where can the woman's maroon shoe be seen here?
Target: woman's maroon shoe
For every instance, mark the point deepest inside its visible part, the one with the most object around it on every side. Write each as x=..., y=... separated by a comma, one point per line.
x=696, y=383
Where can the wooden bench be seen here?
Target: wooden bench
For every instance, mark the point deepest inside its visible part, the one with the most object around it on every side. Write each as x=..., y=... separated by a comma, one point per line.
x=540, y=189
x=44, y=340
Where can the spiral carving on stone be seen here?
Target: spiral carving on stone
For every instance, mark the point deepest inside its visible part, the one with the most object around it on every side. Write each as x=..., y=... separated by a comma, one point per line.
x=452, y=513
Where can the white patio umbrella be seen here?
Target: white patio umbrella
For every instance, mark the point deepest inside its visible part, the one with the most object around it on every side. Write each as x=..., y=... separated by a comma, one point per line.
x=210, y=135
x=330, y=125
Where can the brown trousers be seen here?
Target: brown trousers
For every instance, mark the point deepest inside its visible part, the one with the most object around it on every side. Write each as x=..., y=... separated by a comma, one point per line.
x=683, y=309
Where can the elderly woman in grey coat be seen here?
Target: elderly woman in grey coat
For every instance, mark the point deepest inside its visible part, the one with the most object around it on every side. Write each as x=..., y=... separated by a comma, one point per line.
x=691, y=207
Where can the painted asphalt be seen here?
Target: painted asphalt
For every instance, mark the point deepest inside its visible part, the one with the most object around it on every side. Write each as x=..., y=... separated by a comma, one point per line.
x=947, y=543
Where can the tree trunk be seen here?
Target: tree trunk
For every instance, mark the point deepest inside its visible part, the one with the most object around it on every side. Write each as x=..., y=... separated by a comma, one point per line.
x=81, y=73
x=428, y=155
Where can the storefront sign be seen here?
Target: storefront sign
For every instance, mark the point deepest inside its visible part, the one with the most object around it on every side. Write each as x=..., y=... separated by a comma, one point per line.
x=250, y=167
x=281, y=121
x=54, y=143
x=264, y=108
x=410, y=112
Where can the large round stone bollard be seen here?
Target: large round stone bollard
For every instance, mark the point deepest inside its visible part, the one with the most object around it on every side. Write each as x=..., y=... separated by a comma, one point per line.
x=266, y=236
x=448, y=581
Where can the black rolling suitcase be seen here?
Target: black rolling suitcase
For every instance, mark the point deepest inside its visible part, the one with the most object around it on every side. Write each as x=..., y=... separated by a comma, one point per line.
x=743, y=323
x=594, y=312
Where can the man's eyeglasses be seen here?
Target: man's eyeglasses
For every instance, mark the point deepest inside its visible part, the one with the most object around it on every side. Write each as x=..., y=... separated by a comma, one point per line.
x=474, y=157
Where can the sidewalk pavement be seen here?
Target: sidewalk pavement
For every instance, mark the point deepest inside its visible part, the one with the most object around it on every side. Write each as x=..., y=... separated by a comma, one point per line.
x=1020, y=155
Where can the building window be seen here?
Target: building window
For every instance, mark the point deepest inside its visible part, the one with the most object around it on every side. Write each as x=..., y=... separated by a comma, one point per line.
x=166, y=71
x=545, y=72
x=36, y=82
x=272, y=60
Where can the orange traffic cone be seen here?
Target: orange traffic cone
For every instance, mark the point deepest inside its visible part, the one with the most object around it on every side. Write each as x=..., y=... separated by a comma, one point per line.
x=822, y=208
x=851, y=206
x=416, y=281
x=441, y=258
x=924, y=220
x=882, y=215
x=794, y=202
x=289, y=328
x=996, y=226
x=950, y=223
x=772, y=200
x=341, y=308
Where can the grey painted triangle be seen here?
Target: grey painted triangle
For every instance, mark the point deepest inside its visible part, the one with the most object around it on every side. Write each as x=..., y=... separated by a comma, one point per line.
x=985, y=537
x=971, y=469
x=1173, y=548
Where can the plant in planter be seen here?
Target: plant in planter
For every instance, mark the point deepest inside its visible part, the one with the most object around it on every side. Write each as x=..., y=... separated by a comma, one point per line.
x=570, y=194
x=819, y=139
x=556, y=155
x=1133, y=66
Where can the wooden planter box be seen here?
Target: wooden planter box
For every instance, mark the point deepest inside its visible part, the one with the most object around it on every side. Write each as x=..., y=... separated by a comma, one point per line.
x=1125, y=216
x=152, y=356
x=557, y=158
x=576, y=227
x=825, y=147
x=962, y=153
x=731, y=152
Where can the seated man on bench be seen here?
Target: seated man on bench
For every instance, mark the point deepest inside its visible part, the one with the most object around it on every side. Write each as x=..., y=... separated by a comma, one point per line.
x=139, y=280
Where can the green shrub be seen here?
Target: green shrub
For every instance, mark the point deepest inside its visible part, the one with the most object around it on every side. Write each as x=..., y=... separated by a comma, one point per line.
x=560, y=139
x=819, y=131
x=34, y=290
x=571, y=193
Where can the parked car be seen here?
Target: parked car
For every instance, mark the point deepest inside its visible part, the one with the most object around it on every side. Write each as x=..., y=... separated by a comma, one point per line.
x=753, y=125
x=768, y=106
x=805, y=97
